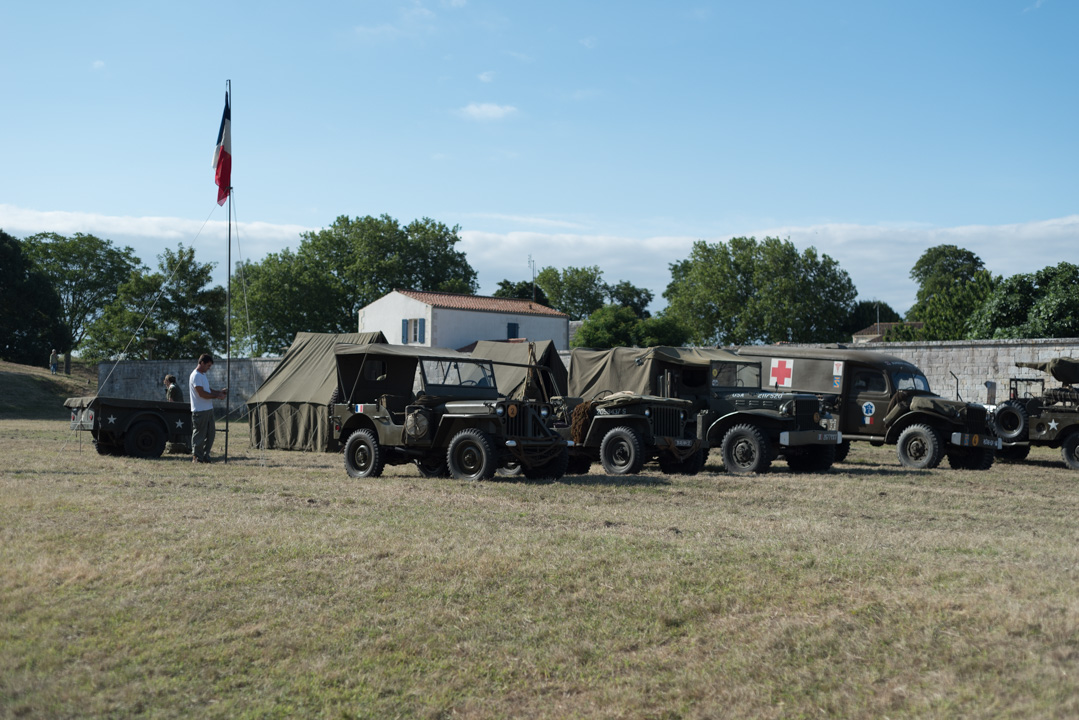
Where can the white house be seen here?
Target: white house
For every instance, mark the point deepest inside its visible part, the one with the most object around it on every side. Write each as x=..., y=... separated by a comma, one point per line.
x=449, y=320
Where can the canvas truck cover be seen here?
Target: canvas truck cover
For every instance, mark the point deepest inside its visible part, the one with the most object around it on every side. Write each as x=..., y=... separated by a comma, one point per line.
x=289, y=410
x=1064, y=369
x=636, y=370
x=519, y=383
x=815, y=370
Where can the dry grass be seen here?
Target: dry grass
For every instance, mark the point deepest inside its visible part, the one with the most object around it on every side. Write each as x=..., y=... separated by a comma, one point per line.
x=276, y=586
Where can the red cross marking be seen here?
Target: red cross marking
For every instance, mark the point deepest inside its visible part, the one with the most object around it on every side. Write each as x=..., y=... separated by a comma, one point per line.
x=781, y=374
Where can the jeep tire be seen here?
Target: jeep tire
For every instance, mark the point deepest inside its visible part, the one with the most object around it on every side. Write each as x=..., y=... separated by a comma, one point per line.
x=1069, y=450
x=1010, y=421
x=363, y=455
x=470, y=456
x=620, y=452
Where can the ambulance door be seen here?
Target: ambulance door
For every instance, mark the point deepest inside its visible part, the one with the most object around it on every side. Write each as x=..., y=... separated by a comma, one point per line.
x=866, y=401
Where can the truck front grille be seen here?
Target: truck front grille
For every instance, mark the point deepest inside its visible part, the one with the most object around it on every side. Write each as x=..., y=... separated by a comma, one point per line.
x=667, y=422
x=522, y=420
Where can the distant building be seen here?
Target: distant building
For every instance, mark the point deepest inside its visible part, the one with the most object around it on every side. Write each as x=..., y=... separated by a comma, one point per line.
x=878, y=331
x=451, y=320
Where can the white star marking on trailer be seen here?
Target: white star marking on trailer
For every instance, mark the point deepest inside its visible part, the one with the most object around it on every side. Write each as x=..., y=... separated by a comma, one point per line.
x=112, y=419
x=179, y=423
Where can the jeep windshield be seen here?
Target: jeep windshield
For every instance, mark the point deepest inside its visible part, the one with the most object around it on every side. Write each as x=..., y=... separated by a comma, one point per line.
x=736, y=375
x=440, y=374
x=906, y=380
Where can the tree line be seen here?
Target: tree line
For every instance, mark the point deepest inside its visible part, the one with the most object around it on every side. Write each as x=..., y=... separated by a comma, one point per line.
x=85, y=294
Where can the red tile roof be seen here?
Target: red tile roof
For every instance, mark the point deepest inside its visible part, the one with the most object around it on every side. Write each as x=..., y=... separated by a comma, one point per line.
x=480, y=303
x=884, y=327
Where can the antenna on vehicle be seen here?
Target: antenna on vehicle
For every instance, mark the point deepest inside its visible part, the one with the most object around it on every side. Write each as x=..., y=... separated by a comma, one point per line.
x=957, y=395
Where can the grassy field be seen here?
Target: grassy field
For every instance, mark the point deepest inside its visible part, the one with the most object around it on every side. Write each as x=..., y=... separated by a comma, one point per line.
x=275, y=586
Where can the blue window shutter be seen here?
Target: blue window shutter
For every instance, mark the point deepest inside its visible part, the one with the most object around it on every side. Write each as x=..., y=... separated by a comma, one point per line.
x=404, y=332
x=513, y=331
x=423, y=322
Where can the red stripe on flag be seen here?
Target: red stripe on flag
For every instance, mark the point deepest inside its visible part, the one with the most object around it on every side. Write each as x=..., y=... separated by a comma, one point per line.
x=223, y=155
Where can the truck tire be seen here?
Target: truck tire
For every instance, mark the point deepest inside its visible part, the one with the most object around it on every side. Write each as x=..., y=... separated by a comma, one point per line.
x=920, y=447
x=746, y=450
x=842, y=450
x=470, y=456
x=433, y=467
x=812, y=458
x=620, y=453
x=553, y=469
x=690, y=466
x=145, y=439
x=1069, y=450
x=971, y=458
x=1010, y=421
x=363, y=455
x=1013, y=453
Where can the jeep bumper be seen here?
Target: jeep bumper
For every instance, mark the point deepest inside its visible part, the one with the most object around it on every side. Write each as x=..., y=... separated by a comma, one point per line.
x=810, y=437
x=975, y=440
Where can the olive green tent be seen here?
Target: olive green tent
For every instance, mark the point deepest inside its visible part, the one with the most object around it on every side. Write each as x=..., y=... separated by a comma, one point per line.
x=663, y=371
x=522, y=383
x=290, y=410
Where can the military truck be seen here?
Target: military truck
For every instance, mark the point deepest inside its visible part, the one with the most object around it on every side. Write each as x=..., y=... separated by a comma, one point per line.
x=1049, y=417
x=632, y=405
x=440, y=410
x=139, y=428
x=883, y=399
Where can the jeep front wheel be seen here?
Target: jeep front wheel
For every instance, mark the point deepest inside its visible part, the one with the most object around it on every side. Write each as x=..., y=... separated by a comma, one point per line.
x=920, y=447
x=746, y=450
x=620, y=452
x=470, y=456
x=1069, y=449
x=363, y=455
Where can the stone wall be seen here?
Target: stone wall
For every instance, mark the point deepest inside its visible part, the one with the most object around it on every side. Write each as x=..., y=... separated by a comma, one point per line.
x=143, y=379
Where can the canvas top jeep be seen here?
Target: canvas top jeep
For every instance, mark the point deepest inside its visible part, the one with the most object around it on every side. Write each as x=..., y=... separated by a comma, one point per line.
x=882, y=399
x=1048, y=417
x=439, y=409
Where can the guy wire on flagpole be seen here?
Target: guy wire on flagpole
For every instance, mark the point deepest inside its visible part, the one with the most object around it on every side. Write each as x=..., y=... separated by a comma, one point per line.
x=228, y=299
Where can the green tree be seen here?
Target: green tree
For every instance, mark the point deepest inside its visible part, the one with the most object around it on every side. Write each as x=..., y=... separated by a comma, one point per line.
x=173, y=313
x=628, y=295
x=662, y=329
x=85, y=270
x=744, y=291
x=943, y=269
x=1042, y=304
x=31, y=316
x=867, y=312
x=338, y=270
x=578, y=292
x=619, y=326
x=523, y=290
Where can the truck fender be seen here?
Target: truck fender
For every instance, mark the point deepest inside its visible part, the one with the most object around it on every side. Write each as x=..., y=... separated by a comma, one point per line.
x=602, y=424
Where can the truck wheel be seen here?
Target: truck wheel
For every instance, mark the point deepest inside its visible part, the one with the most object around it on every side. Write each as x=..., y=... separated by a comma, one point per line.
x=145, y=439
x=920, y=447
x=620, y=452
x=1013, y=453
x=746, y=450
x=842, y=450
x=1010, y=421
x=690, y=466
x=971, y=458
x=812, y=458
x=363, y=455
x=433, y=467
x=1069, y=449
x=470, y=456
x=552, y=469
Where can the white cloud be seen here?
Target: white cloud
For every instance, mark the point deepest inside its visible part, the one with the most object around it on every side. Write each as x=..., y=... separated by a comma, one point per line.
x=486, y=111
x=487, y=76
x=98, y=64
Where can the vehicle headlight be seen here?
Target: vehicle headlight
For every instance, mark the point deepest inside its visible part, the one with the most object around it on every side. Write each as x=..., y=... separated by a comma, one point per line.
x=544, y=412
x=648, y=412
x=787, y=408
x=682, y=415
x=500, y=410
x=816, y=418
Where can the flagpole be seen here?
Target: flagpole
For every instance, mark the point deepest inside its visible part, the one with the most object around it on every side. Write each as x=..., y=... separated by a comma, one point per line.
x=228, y=301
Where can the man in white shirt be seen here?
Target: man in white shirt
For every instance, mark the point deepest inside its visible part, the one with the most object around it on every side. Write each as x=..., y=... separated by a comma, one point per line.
x=202, y=410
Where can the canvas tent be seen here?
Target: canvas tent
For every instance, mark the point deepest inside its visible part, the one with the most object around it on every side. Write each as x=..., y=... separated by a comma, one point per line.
x=290, y=411
x=663, y=371
x=520, y=383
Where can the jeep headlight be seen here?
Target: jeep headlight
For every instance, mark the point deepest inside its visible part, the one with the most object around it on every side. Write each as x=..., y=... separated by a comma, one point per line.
x=816, y=418
x=500, y=410
x=544, y=411
x=648, y=412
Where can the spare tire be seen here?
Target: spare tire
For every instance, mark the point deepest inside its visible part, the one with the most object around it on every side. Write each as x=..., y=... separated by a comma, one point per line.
x=1010, y=421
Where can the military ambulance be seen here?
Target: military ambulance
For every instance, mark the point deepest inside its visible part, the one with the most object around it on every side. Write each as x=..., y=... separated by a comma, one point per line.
x=882, y=399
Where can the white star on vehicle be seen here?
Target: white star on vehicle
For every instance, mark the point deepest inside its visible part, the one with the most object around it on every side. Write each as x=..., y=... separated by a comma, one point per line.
x=179, y=423
x=112, y=419
x=1052, y=424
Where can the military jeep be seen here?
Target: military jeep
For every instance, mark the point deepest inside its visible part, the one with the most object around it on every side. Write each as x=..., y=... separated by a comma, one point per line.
x=882, y=399
x=1049, y=417
x=440, y=410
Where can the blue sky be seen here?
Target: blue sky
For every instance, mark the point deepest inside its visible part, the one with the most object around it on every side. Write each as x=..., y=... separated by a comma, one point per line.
x=605, y=133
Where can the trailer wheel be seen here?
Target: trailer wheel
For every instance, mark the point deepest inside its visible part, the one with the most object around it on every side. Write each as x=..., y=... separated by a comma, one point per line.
x=620, y=452
x=107, y=448
x=145, y=439
x=746, y=450
x=1069, y=449
x=470, y=456
x=920, y=447
x=363, y=455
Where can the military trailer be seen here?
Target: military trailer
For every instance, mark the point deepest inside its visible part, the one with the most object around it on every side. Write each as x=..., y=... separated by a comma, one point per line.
x=139, y=428
x=441, y=410
x=1049, y=417
x=676, y=403
x=883, y=399
x=614, y=413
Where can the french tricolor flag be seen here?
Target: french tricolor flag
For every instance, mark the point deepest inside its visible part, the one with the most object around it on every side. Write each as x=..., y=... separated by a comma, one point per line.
x=223, y=155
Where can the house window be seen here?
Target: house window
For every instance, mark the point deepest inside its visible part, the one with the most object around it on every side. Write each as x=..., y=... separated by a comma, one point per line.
x=513, y=330
x=412, y=331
